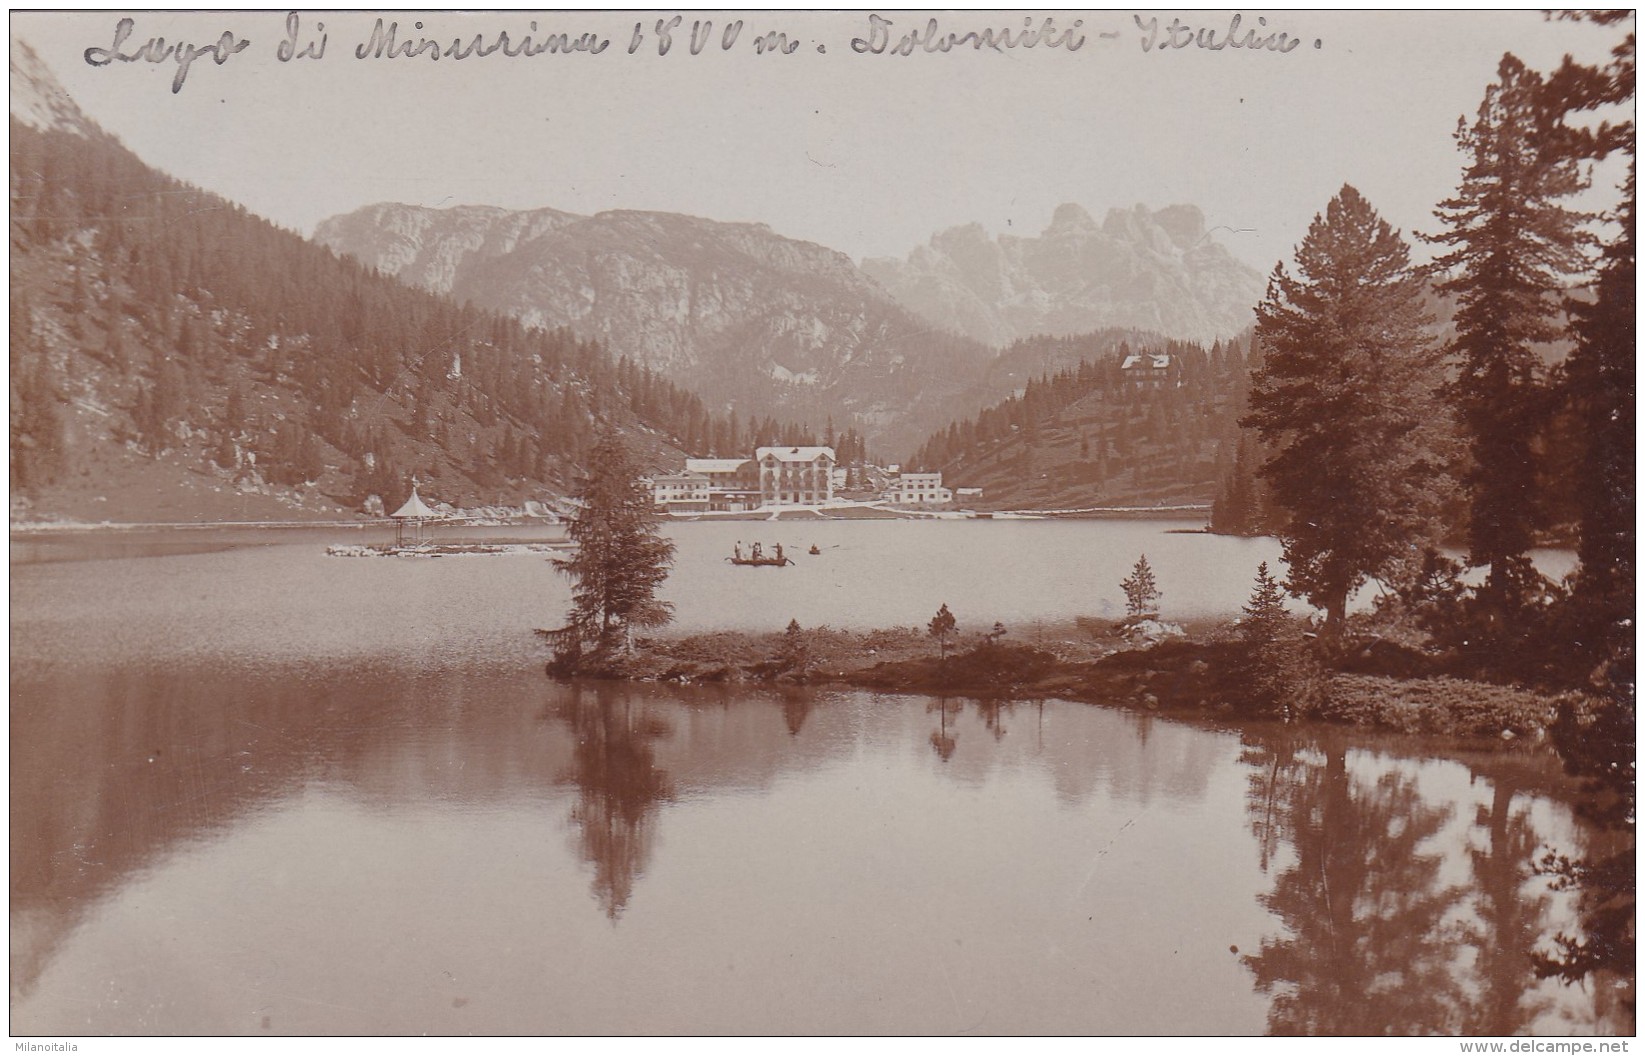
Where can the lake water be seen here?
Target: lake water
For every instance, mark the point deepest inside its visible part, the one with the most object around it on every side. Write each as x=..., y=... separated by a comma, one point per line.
x=259, y=790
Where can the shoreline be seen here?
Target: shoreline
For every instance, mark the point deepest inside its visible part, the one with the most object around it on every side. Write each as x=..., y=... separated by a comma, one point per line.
x=1175, y=672
x=839, y=513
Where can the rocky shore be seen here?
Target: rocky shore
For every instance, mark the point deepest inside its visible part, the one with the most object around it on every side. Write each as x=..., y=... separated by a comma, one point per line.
x=1158, y=667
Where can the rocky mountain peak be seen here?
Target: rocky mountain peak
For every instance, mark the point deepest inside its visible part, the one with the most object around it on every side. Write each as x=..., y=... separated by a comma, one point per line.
x=1184, y=223
x=38, y=100
x=1140, y=268
x=1070, y=218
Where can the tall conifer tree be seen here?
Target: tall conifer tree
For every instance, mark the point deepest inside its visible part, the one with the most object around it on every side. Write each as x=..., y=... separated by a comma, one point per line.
x=1343, y=400
x=622, y=557
x=1512, y=248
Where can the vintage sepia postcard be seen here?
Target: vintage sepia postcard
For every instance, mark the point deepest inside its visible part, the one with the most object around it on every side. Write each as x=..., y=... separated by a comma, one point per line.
x=751, y=523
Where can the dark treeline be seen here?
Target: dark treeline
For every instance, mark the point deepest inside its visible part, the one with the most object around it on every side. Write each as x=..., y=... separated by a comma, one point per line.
x=208, y=332
x=701, y=434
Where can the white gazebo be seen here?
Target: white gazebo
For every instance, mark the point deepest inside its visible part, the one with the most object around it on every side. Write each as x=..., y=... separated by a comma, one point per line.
x=414, y=512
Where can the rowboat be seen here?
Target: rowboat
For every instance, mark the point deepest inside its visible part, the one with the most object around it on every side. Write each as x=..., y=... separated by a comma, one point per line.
x=773, y=560
x=756, y=558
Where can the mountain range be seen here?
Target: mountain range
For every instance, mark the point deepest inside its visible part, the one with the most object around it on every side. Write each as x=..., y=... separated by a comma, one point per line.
x=753, y=321
x=160, y=333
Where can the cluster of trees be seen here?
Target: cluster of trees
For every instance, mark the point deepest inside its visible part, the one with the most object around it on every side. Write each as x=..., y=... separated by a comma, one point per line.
x=210, y=330
x=1360, y=446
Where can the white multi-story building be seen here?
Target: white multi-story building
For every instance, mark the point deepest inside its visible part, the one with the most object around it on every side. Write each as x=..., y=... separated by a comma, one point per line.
x=795, y=475
x=680, y=492
x=919, y=489
x=733, y=483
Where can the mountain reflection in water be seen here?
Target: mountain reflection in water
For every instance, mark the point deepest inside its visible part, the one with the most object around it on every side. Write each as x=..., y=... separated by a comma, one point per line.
x=362, y=848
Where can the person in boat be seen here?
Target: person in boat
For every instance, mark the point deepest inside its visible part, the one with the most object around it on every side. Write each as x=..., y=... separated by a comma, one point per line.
x=814, y=549
x=737, y=550
x=756, y=551
x=779, y=553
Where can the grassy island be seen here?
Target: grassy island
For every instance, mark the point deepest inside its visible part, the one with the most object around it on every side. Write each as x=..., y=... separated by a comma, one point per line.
x=1144, y=664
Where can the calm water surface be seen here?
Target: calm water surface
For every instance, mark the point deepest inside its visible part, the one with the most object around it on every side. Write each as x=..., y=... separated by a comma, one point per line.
x=260, y=790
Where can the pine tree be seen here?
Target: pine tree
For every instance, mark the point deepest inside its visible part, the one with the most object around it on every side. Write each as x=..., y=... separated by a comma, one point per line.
x=1142, y=594
x=794, y=657
x=1342, y=399
x=1279, y=673
x=942, y=627
x=1265, y=613
x=1512, y=247
x=622, y=557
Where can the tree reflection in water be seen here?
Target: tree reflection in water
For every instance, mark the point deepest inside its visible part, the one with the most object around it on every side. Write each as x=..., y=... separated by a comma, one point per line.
x=943, y=740
x=1367, y=949
x=619, y=785
x=1374, y=942
x=994, y=712
x=1510, y=918
x=797, y=705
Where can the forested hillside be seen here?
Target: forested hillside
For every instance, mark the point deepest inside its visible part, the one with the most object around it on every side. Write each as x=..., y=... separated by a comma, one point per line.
x=162, y=334
x=1084, y=435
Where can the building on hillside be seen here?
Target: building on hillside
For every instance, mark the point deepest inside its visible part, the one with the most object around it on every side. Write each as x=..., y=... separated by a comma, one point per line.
x=918, y=489
x=795, y=475
x=1150, y=370
x=967, y=494
x=681, y=492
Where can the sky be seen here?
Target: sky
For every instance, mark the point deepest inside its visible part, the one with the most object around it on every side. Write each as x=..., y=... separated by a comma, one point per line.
x=869, y=154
